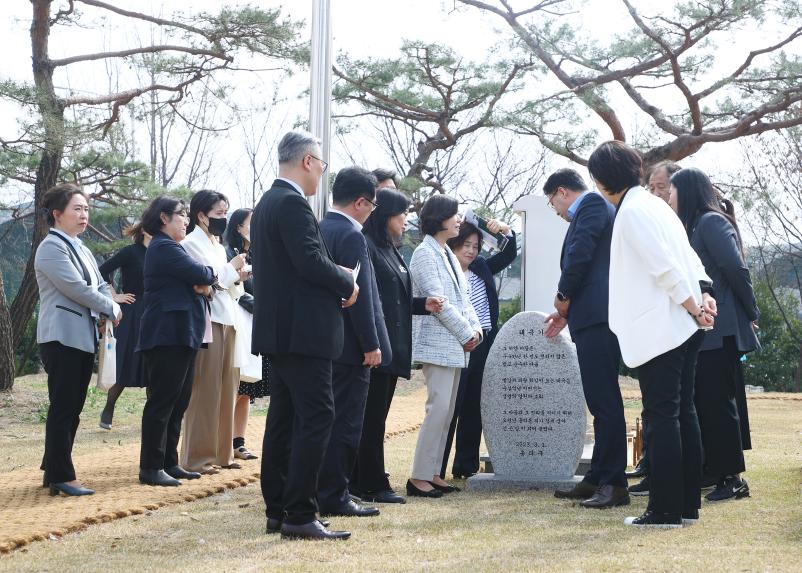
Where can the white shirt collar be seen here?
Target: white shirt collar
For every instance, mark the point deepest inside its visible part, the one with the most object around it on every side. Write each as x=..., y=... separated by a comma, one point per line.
x=74, y=240
x=356, y=223
x=294, y=185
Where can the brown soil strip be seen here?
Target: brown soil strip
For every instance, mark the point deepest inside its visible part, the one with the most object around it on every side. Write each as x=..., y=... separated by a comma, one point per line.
x=28, y=513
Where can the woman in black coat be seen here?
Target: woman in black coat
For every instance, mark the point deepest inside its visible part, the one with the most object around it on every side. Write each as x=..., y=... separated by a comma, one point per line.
x=130, y=260
x=723, y=421
x=383, y=231
x=479, y=271
x=172, y=329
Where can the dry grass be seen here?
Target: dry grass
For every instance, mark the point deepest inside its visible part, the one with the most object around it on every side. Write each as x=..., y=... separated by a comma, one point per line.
x=528, y=531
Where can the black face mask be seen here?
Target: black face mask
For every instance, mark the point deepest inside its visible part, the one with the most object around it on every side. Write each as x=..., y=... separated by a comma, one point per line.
x=217, y=226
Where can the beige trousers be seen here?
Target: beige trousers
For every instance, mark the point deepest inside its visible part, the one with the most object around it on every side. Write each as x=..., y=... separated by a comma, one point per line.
x=208, y=428
x=441, y=394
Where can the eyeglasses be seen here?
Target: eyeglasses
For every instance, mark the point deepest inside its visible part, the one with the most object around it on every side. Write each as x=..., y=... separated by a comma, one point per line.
x=551, y=205
x=375, y=205
x=181, y=212
x=325, y=164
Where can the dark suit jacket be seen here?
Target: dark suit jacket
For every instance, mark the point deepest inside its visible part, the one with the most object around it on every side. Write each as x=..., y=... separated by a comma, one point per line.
x=485, y=268
x=395, y=290
x=297, y=287
x=364, y=321
x=174, y=315
x=714, y=240
x=585, y=262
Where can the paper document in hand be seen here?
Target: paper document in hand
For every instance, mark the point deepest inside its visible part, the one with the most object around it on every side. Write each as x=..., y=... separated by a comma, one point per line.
x=496, y=241
x=356, y=270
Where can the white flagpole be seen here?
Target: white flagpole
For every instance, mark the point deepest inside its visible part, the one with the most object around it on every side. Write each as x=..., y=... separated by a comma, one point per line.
x=320, y=94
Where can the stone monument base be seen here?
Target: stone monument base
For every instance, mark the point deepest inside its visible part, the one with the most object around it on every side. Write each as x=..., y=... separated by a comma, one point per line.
x=493, y=482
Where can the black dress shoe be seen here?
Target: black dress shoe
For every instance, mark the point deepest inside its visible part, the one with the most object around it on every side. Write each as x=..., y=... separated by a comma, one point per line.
x=274, y=525
x=62, y=487
x=312, y=530
x=157, y=477
x=463, y=476
x=638, y=471
x=414, y=491
x=383, y=496
x=656, y=520
x=444, y=488
x=178, y=472
x=607, y=496
x=350, y=509
x=582, y=490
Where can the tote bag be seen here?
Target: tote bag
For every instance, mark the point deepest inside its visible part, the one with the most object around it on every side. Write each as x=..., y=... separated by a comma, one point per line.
x=107, y=361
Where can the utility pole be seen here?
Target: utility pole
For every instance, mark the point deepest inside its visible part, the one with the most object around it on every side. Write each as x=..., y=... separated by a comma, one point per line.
x=320, y=95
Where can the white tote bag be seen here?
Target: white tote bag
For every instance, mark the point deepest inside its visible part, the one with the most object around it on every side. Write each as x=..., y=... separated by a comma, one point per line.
x=107, y=361
x=250, y=366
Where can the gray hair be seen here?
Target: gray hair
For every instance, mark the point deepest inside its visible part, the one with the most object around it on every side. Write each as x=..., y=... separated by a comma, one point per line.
x=295, y=144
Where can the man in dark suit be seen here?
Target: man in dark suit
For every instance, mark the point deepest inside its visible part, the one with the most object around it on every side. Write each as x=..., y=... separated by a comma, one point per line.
x=365, y=345
x=297, y=322
x=581, y=304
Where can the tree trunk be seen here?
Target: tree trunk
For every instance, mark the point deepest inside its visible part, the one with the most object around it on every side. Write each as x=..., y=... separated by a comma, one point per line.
x=51, y=108
x=6, y=350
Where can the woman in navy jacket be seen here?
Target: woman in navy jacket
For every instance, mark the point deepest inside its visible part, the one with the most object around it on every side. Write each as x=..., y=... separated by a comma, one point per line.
x=172, y=329
x=479, y=271
x=714, y=236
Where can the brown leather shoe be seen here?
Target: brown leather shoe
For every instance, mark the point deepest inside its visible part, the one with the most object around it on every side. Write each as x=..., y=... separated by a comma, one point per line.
x=607, y=496
x=582, y=490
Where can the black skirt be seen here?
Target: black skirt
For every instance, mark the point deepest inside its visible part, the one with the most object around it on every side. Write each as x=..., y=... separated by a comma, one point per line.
x=258, y=389
x=129, y=363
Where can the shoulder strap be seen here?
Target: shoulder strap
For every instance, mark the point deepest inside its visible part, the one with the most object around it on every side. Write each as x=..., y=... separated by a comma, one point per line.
x=80, y=264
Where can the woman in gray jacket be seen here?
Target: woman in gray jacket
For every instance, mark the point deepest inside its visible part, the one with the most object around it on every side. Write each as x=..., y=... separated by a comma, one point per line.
x=440, y=341
x=73, y=298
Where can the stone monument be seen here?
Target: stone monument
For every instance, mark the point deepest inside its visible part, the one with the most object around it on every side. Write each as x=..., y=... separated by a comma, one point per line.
x=533, y=408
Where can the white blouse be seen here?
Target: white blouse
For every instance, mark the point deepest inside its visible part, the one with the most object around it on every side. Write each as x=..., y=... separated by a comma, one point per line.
x=203, y=250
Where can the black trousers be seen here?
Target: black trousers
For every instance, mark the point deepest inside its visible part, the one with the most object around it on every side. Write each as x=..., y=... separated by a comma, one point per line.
x=674, y=442
x=168, y=371
x=350, y=385
x=369, y=473
x=720, y=426
x=69, y=371
x=599, y=357
x=299, y=421
x=467, y=421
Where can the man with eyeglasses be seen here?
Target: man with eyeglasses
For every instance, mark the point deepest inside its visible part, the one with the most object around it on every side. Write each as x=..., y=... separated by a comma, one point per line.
x=299, y=293
x=581, y=304
x=366, y=342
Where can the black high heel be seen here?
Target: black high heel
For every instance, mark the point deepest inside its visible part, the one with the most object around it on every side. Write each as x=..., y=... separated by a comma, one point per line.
x=414, y=491
x=444, y=488
x=71, y=490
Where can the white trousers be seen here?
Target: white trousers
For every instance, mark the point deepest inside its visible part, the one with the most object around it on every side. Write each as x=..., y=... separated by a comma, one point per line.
x=442, y=383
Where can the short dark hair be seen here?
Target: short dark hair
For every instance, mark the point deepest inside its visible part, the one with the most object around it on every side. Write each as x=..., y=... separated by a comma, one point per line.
x=391, y=202
x=435, y=210
x=384, y=174
x=465, y=232
x=57, y=198
x=352, y=183
x=696, y=196
x=568, y=178
x=616, y=166
x=151, y=218
x=671, y=167
x=232, y=236
x=203, y=202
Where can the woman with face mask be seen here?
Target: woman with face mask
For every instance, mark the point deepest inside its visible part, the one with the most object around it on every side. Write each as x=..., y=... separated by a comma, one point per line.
x=209, y=419
x=238, y=240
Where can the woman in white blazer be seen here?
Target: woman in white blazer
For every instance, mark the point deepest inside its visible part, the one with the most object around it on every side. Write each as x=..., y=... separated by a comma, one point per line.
x=440, y=341
x=208, y=431
x=657, y=309
x=73, y=297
